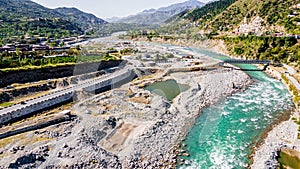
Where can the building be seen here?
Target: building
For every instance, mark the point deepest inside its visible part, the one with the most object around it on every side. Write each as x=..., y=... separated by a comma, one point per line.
x=40, y=48
x=254, y=27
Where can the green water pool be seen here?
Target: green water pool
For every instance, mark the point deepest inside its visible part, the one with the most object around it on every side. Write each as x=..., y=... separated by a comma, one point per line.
x=168, y=89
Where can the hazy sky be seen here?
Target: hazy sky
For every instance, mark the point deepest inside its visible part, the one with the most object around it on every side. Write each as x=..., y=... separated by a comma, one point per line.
x=109, y=8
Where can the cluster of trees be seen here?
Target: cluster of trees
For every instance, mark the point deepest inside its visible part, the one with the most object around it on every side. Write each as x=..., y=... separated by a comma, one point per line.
x=273, y=12
x=225, y=15
x=208, y=11
x=18, y=59
x=128, y=51
x=50, y=28
x=14, y=63
x=278, y=49
x=277, y=11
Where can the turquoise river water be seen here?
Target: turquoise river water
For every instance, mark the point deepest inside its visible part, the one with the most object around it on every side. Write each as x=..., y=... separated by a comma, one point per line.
x=224, y=133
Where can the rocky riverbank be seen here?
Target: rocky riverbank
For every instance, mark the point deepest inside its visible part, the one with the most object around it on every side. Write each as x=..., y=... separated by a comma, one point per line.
x=128, y=127
x=216, y=46
x=283, y=135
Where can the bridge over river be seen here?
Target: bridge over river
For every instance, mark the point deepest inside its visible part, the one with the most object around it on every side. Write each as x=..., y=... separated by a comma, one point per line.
x=266, y=63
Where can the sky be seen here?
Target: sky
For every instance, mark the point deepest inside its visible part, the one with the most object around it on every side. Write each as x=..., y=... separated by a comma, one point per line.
x=109, y=8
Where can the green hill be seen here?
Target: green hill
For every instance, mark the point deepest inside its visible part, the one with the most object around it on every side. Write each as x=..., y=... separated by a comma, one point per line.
x=27, y=18
x=209, y=11
x=190, y=22
x=228, y=15
x=253, y=29
x=85, y=20
x=275, y=14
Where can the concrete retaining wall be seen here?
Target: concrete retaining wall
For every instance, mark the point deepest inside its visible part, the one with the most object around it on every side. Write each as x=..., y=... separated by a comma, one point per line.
x=9, y=116
x=43, y=104
x=53, y=120
x=7, y=78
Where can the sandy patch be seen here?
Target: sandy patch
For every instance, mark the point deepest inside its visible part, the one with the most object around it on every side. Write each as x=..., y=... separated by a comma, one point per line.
x=120, y=138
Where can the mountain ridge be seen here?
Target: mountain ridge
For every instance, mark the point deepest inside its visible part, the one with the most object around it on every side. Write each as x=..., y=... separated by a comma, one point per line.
x=160, y=15
x=78, y=16
x=25, y=17
x=237, y=16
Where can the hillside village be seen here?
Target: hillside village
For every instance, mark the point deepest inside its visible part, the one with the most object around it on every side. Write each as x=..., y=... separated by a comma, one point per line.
x=41, y=45
x=257, y=26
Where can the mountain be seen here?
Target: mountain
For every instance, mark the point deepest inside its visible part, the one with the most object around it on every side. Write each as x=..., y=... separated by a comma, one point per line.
x=210, y=10
x=273, y=15
x=112, y=19
x=24, y=17
x=252, y=29
x=12, y=9
x=242, y=16
x=75, y=15
x=191, y=4
x=159, y=16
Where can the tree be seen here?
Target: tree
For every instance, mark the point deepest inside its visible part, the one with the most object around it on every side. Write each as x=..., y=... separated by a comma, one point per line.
x=18, y=52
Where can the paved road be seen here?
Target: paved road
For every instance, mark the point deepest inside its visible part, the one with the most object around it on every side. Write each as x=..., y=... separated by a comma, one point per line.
x=294, y=81
x=290, y=69
x=64, y=91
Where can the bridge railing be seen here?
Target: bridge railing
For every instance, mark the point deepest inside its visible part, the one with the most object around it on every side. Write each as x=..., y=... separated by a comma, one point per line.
x=244, y=61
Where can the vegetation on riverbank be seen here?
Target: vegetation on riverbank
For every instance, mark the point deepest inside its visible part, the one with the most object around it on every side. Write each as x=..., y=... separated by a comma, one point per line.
x=41, y=63
x=6, y=104
x=288, y=159
x=277, y=49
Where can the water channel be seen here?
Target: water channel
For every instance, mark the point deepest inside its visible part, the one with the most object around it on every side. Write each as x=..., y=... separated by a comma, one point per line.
x=224, y=133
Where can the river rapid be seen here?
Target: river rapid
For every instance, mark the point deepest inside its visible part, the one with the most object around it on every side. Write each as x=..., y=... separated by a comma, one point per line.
x=223, y=135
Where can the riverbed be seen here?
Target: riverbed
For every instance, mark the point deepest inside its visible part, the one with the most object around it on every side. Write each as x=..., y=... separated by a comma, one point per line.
x=225, y=132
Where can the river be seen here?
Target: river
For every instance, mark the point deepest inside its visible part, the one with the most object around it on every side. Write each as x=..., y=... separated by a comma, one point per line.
x=224, y=133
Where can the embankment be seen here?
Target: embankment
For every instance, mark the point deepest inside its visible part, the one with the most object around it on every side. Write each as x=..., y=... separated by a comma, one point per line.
x=282, y=135
x=16, y=111
x=7, y=78
x=216, y=46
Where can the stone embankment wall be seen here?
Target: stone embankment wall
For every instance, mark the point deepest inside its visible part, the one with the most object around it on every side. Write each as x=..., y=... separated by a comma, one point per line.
x=11, y=94
x=12, y=114
x=52, y=73
x=61, y=117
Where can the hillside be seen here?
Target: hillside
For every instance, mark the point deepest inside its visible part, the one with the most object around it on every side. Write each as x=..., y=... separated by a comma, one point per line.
x=193, y=22
x=253, y=29
x=11, y=9
x=76, y=16
x=243, y=16
x=274, y=14
x=27, y=18
x=159, y=16
x=208, y=11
